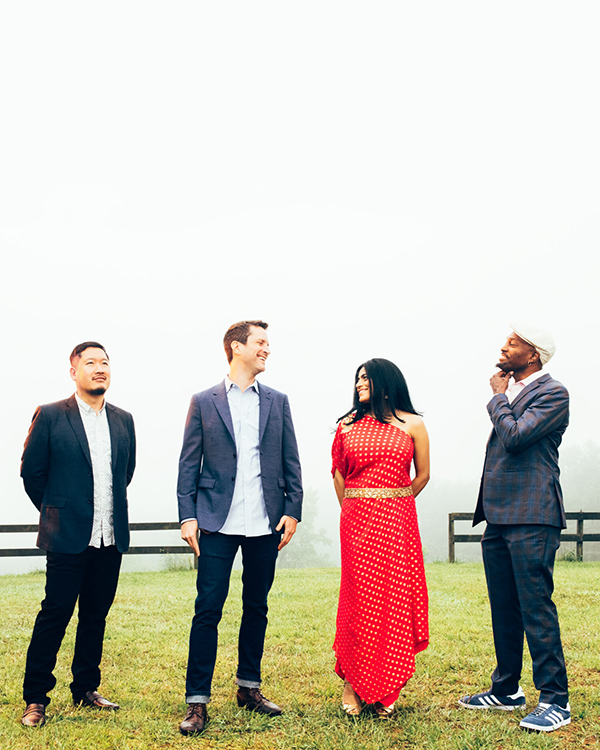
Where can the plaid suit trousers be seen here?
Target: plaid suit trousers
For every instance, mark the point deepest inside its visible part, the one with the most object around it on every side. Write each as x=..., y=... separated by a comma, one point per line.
x=519, y=566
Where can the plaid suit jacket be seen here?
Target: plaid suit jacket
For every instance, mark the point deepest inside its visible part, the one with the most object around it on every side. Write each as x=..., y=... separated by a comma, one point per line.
x=520, y=482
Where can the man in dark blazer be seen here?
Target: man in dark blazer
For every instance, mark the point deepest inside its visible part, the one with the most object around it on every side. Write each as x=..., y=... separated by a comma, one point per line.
x=520, y=498
x=240, y=484
x=78, y=459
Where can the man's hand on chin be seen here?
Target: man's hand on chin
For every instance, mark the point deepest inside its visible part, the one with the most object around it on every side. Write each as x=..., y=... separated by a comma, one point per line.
x=288, y=524
x=499, y=381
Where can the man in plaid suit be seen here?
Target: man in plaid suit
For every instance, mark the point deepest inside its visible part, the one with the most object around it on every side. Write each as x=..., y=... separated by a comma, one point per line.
x=520, y=498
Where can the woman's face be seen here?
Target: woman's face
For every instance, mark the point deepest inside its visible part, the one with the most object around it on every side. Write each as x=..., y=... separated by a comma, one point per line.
x=363, y=386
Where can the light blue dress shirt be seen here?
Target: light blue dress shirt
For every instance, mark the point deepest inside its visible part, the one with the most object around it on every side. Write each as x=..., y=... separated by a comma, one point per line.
x=248, y=512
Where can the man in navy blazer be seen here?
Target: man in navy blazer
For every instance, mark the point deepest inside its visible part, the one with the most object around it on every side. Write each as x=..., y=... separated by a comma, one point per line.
x=240, y=484
x=78, y=459
x=521, y=499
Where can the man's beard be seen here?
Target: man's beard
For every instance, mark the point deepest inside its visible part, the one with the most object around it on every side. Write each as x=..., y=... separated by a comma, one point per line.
x=99, y=391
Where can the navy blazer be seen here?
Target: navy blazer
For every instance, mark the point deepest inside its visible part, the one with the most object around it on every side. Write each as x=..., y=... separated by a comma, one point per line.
x=520, y=482
x=208, y=461
x=57, y=473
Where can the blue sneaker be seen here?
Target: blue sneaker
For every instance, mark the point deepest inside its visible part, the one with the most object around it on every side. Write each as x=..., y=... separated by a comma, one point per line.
x=547, y=717
x=495, y=702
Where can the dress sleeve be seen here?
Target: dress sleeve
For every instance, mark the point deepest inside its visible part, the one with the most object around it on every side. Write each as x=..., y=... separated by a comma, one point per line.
x=337, y=453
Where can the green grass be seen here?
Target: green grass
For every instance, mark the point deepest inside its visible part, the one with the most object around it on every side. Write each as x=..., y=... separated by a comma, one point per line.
x=146, y=649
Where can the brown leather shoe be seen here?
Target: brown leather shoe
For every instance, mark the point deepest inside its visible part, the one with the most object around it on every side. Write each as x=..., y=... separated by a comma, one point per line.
x=196, y=718
x=92, y=699
x=253, y=700
x=34, y=715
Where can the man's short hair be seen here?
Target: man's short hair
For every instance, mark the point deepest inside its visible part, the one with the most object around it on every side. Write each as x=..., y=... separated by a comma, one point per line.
x=76, y=353
x=240, y=332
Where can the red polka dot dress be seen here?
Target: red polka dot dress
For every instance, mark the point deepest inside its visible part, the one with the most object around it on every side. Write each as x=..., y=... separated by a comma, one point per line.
x=382, y=618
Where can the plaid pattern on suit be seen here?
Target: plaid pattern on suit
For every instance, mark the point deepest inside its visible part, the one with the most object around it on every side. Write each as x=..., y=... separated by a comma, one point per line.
x=521, y=499
x=520, y=482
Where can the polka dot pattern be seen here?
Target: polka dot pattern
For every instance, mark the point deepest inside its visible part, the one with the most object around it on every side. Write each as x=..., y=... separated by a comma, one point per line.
x=382, y=619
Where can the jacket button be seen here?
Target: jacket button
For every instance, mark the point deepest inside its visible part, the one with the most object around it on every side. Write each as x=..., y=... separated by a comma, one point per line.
x=234, y=455
x=233, y=479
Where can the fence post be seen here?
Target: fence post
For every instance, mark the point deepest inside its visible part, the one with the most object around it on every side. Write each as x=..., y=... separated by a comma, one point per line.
x=580, y=538
x=451, y=537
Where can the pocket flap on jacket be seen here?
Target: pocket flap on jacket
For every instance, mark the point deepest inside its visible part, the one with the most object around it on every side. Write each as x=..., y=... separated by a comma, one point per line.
x=55, y=502
x=207, y=482
x=281, y=483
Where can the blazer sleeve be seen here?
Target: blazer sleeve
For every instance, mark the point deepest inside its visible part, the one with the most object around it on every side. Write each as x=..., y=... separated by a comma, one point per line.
x=190, y=461
x=35, y=461
x=546, y=413
x=132, y=450
x=292, y=472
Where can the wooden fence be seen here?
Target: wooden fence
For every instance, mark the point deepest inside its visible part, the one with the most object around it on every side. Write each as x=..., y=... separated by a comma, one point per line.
x=27, y=528
x=579, y=537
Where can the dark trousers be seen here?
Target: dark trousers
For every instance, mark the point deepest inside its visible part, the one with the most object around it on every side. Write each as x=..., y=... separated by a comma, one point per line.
x=217, y=553
x=519, y=565
x=92, y=576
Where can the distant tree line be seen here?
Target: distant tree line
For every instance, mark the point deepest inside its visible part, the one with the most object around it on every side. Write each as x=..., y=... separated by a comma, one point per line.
x=308, y=547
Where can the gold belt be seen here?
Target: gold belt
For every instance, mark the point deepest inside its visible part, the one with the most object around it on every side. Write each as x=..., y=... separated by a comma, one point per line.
x=379, y=491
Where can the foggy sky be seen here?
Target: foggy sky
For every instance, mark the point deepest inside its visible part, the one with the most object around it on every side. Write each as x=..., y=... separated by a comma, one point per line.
x=394, y=180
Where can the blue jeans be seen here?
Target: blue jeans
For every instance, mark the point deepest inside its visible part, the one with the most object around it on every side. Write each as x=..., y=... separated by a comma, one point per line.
x=217, y=553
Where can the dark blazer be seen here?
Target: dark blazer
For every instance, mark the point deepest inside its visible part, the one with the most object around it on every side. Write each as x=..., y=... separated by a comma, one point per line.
x=57, y=473
x=208, y=461
x=520, y=482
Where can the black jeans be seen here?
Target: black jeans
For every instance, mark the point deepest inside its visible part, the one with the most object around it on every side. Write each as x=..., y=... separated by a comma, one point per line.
x=92, y=576
x=217, y=553
x=519, y=566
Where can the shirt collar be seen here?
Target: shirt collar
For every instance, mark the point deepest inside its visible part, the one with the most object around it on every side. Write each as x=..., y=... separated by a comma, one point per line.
x=229, y=383
x=528, y=380
x=86, y=408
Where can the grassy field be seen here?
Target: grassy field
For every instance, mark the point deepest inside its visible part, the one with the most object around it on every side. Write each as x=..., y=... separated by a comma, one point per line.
x=146, y=650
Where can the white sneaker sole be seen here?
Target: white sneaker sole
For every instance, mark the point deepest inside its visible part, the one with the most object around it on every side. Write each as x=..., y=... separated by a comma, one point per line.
x=491, y=707
x=538, y=728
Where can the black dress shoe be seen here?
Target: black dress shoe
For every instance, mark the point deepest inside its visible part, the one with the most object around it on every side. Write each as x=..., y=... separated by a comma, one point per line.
x=34, y=715
x=254, y=700
x=92, y=699
x=196, y=718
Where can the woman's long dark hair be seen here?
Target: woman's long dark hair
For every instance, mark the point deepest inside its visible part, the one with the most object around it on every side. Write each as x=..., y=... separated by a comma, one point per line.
x=389, y=392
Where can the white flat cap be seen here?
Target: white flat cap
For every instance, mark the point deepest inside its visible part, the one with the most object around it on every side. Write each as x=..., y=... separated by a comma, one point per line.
x=539, y=338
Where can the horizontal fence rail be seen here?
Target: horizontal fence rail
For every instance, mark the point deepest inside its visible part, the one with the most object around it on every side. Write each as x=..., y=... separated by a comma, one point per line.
x=31, y=528
x=579, y=537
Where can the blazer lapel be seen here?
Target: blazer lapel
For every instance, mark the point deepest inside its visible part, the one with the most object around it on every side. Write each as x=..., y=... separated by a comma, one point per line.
x=222, y=406
x=74, y=418
x=114, y=429
x=265, y=408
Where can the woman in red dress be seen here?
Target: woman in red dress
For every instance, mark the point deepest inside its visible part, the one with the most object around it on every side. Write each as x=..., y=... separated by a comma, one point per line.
x=382, y=618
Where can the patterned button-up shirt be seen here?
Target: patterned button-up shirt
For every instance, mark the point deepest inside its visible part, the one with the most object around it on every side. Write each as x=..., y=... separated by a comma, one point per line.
x=98, y=437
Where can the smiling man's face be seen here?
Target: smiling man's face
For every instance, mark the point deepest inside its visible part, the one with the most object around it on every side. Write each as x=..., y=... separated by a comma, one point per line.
x=516, y=354
x=91, y=372
x=253, y=354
